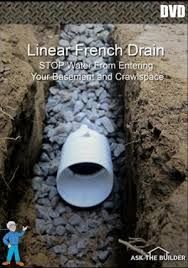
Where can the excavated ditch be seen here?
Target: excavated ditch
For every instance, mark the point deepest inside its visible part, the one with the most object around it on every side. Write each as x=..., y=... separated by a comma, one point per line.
x=60, y=234
x=80, y=237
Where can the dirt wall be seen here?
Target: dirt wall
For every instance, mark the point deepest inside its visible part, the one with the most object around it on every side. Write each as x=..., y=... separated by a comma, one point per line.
x=21, y=105
x=156, y=123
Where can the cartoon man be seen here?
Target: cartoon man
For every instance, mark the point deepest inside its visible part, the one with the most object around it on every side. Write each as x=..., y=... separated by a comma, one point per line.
x=11, y=240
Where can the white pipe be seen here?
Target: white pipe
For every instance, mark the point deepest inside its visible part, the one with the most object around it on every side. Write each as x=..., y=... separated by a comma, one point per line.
x=85, y=190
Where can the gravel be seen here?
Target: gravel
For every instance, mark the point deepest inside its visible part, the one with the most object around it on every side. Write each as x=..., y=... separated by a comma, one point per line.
x=103, y=255
x=78, y=106
x=73, y=234
x=72, y=250
x=75, y=219
x=59, y=221
x=42, y=212
x=106, y=122
x=60, y=230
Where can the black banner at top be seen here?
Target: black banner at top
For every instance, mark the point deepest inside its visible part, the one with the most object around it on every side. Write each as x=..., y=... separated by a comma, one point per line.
x=49, y=12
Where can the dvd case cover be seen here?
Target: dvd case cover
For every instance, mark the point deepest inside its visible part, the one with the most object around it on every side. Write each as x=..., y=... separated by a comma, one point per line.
x=93, y=134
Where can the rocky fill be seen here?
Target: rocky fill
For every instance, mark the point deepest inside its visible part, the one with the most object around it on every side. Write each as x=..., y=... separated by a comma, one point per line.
x=87, y=237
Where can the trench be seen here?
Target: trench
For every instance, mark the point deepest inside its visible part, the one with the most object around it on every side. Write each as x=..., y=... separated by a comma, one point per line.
x=62, y=235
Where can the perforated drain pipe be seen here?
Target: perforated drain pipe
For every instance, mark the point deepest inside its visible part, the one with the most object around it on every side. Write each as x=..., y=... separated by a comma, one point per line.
x=85, y=173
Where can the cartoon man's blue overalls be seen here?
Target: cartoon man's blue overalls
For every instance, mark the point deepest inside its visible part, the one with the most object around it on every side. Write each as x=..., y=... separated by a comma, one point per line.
x=11, y=240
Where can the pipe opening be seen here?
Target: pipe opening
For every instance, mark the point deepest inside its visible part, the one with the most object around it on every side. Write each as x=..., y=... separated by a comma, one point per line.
x=86, y=168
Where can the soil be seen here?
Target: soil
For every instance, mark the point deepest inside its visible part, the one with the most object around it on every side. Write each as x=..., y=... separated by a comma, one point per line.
x=21, y=114
x=156, y=128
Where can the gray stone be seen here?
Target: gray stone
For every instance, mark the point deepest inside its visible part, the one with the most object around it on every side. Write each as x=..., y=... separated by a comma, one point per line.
x=75, y=95
x=53, y=192
x=97, y=43
x=40, y=195
x=54, y=201
x=84, y=97
x=60, y=230
x=106, y=122
x=68, y=127
x=72, y=28
x=60, y=249
x=87, y=122
x=104, y=106
x=88, y=40
x=72, y=250
x=91, y=95
x=90, y=25
x=58, y=130
x=74, y=42
x=82, y=244
x=89, y=104
x=59, y=221
x=103, y=96
x=101, y=113
x=51, y=180
x=63, y=43
x=53, y=90
x=70, y=228
x=80, y=116
x=45, y=188
x=40, y=226
x=75, y=219
x=50, y=229
x=58, y=108
x=36, y=183
x=103, y=255
x=72, y=58
x=64, y=35
x=37, y=170
x=75, y=125
x=82, y=28
x=53, y=167
x=60, y=208
x=104, y=36
x=78, y=106
x=65, y=95
x=44, y=201
x=83, y=228
x=93, y=84
x=68, y=116
x=58, y=139
x=98, y=28
x=44, y=157
x=99, y=91
x=42, y=212
x=47, y=148
x=111, y=115
x=119, y=149
x=44, y=167
x=53, y=214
